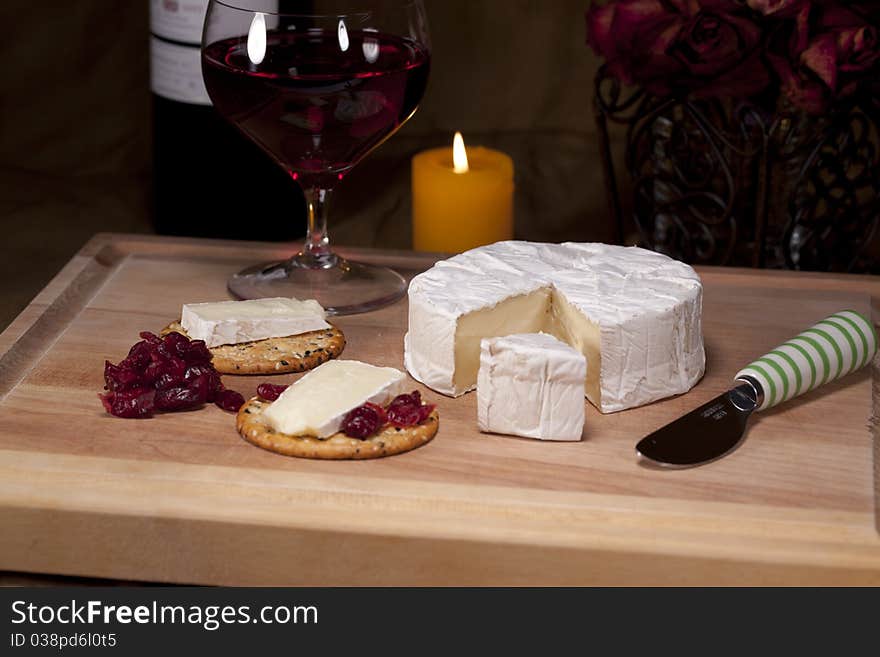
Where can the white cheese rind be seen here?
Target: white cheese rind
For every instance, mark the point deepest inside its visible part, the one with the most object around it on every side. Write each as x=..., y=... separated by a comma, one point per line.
x=532, y=386
x=316, y=404
x=234, y=322
x=646, y=306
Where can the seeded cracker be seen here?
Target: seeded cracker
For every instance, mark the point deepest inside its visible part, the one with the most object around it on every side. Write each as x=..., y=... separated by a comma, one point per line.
x=295, y=353
x=387, y=442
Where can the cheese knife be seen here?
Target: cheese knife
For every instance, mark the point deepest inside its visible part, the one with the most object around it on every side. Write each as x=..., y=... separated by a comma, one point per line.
x=836, y=346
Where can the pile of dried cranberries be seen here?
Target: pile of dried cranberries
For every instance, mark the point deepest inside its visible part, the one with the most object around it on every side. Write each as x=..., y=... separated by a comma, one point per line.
x=170, y=374
x=403, y=411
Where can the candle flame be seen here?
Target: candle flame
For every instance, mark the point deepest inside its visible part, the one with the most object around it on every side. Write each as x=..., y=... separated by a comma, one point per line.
x=459, y=154
x=256, y=43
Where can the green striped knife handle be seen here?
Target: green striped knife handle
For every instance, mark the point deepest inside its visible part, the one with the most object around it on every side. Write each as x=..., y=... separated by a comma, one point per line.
x=835, y=347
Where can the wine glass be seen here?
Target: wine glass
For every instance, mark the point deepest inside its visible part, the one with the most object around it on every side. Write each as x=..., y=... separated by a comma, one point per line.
x=318, y=86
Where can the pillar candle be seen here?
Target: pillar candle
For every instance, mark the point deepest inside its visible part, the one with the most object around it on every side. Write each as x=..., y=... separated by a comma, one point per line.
x=455, y=210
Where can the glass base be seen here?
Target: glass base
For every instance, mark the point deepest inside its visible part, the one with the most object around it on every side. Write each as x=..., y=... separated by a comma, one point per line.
x=341, y=286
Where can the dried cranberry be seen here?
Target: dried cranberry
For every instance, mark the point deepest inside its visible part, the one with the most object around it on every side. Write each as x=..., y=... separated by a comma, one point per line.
x=363, y=421
x=204, y=378
x=167, y=380
x=134, y=403
x=229, y=400
x=197, y=353
x=179, y=398
x=150, y=337
x=176, y=365
x=140, y=355
x=207, y=385
x=408, y=410
x=211, y=391
x=174, y=344
x=270, y=391
x=162, y=365
x=199, y=369
x=121, y=378
x=153, y=371
x=412, y=399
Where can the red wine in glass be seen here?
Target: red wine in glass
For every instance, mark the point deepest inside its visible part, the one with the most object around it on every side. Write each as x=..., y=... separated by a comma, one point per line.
x=316, y=108
x=317, y=90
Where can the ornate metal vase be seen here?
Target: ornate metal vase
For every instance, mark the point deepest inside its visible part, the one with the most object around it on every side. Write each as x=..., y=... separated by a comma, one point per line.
x=731, y=183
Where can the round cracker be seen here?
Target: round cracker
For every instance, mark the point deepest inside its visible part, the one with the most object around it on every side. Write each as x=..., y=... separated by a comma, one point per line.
x=294, y=353
x=389, y=441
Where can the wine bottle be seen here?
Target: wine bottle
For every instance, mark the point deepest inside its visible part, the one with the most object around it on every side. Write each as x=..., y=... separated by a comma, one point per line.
x=209, y=180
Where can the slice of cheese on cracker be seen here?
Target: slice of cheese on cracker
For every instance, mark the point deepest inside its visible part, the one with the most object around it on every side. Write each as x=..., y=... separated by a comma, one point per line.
x=306, y=419
x=318, y=402
x=234, y=322
x=262, y=336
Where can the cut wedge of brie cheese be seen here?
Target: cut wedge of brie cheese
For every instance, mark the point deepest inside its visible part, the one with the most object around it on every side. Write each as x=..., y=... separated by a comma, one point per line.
x=531, y=385
x=316, y=404
x=234, y=322
x=635, y=315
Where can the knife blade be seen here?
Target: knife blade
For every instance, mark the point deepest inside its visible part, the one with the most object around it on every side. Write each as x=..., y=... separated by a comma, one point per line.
x=835, y=347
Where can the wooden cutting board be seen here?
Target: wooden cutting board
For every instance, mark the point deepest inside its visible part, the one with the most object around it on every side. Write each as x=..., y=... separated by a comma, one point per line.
x=181, y=498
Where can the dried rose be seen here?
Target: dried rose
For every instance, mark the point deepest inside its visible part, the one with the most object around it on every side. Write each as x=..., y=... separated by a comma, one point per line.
x=830, y=55
x=704, y=47
x=623, y=32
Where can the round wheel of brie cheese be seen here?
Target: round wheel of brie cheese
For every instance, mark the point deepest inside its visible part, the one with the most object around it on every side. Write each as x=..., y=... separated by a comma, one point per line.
x=634, y=314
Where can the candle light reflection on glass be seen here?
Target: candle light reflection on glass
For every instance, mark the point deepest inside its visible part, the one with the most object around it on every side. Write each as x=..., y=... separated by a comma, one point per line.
x=343, y=36
x=370, y=47
x=256, y=43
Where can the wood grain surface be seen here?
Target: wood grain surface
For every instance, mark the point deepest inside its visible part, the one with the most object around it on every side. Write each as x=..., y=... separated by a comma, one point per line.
x=181, y=498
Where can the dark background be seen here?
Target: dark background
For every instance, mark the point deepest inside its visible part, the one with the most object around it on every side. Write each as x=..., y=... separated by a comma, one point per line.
x=76, y=141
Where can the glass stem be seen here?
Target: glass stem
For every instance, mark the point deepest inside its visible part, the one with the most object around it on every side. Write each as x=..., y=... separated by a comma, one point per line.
x=316, y=251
